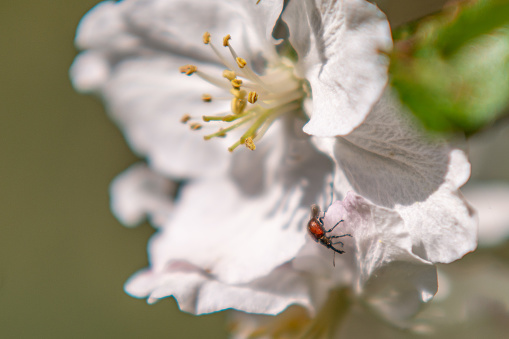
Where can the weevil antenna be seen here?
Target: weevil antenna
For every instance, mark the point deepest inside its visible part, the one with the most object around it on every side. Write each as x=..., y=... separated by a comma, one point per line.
x=340, y=236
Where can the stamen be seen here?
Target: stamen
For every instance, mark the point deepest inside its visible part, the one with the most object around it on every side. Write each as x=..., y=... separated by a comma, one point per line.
x=228, y=129
x=247, y=72
x=261, y=132
x=241, y=62
x=277, y=101
x=230, y=75
x=238, y=105
x=238, y=93
x=225, y=118
x=252, y=97
x=206, y=38
x=250, y=144
x=221, y=133
x=271, y=95
x=234, y=146
x=195, y=126
x=257, y=2
x=254, y=127
x=236, y=83
x=214, y=81
x=226, y=39
x=188, y=69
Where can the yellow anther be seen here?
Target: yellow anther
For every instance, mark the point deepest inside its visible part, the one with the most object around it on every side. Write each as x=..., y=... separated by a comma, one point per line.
x=230, y=75
x=238, y=105
x=185, y=118
x=252, y=97
x=206, y=97
x=221, y=133
x=188, y=69
x=250, y=144
x=195, y=126
x=236, y=83
x=238, y=93
x=226, y=39
x=241, y=62
x=257, y=2
x=206, y=38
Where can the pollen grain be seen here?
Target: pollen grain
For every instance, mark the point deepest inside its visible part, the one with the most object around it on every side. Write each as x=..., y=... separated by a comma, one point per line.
x=206, y=38
x=226, y=40
x=188, y=69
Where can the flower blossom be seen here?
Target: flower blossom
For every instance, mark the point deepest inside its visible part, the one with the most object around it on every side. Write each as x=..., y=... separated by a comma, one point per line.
x=236, y=236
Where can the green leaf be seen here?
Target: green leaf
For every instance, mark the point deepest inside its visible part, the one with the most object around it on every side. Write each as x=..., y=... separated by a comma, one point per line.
x=472, y=22
x=452, y=70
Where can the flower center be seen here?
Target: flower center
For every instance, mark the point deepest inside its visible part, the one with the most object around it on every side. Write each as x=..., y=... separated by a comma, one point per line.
x=256, y=100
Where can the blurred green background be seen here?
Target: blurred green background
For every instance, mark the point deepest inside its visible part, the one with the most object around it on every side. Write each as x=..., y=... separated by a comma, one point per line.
x=63, y=256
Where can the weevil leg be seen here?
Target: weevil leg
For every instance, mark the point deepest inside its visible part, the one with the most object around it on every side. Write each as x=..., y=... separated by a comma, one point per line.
x=334, y=226
x=339, y=242
x=336, y=250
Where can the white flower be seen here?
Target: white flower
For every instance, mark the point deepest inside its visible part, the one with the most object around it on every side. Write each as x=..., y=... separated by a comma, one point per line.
x=134, y=50
x=388, y=261
x=236, y=237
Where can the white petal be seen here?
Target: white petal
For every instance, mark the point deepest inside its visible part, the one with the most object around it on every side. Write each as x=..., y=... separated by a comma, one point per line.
x=264, y=14
x=399, y=290
x=392, y=279
x=148, y=97
x=103, y=28
x=228, y=235
x=237, y=233
x=444, y=227
x=382, y=247
x=389, y=161
x=243, y=227
x=340, y=45
x=199, y=293
x=139, y=192
x=89, y=71
x=178, y=26
x=183, y=284
x=269, y=295
x=491, y=200
x=378, y=262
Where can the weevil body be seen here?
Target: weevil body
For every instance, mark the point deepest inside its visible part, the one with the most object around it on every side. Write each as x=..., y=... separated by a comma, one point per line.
x=317, y=231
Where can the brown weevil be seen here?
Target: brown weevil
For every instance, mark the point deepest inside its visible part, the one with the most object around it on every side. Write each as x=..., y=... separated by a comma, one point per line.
x=319, y=234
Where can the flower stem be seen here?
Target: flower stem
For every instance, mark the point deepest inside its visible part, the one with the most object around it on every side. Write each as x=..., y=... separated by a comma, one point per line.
x=331, y=316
